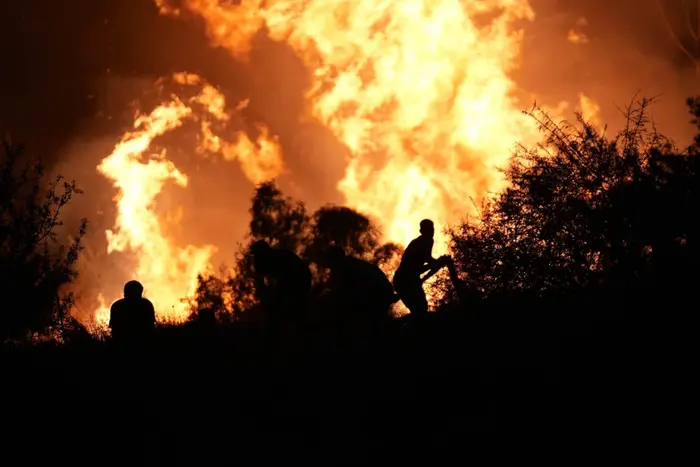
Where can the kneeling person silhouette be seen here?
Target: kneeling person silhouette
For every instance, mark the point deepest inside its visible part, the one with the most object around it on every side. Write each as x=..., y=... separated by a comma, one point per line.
x=364, y=294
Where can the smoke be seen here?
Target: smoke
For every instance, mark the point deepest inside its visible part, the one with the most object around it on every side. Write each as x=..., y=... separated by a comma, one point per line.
x=612, y=51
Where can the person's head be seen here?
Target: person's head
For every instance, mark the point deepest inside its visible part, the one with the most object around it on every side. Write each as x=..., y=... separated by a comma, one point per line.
x=133, y=289
x=334, y=256
x=261, y=253
x=427, y=228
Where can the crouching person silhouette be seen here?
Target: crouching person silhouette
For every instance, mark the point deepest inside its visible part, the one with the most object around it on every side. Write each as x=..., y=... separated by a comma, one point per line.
x=364, y=296
x=416, y=260
x=283, y=286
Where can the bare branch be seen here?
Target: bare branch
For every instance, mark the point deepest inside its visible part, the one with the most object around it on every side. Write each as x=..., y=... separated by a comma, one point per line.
x=691, y=27
x=673, y=34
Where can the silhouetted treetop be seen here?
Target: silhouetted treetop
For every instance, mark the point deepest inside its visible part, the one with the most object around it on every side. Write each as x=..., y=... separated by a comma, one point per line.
x=341, y=226
x=278, y=219
x=285, y=223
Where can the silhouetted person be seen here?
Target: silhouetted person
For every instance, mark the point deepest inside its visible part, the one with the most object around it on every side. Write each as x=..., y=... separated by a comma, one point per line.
x=132, y=319
x=363, y=291
x=283, y=285
x=417, y=259
x=206, y=318
x=205, y=330
x=364, y=295
x=205, y=324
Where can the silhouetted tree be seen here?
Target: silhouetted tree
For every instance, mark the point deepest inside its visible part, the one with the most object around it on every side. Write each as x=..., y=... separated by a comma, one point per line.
x=34, y=267
x=346, y=228
x=387, y=256
x=278, y=219
x=284, y=222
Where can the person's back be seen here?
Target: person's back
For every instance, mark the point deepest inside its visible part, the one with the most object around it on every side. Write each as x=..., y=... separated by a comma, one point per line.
x=366, y=284
x=285, y=295
x=136, y=316
x=292, y=281
x=132, y=317
x=288, y=268
x=417, y=254
x=363, y=298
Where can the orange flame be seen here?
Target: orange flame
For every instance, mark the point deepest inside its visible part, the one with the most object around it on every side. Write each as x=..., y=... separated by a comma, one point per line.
x=168, y=271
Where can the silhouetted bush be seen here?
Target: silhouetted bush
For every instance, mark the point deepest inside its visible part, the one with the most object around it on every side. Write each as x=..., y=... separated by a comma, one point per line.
x=34, y=266
x=583, y=210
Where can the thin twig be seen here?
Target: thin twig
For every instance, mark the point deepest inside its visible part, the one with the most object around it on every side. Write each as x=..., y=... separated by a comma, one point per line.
x=691, y=28
x=673, y=34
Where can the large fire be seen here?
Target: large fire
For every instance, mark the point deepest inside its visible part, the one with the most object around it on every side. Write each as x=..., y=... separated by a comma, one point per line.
x=418, y=90
x=168, y=272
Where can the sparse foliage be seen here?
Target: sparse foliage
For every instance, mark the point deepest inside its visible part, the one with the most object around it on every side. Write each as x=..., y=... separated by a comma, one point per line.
x=34, y=265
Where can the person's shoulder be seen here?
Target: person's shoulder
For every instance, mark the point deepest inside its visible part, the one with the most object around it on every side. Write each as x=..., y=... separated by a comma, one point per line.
x=416, y=243
x=146, y=302
x=118, y=304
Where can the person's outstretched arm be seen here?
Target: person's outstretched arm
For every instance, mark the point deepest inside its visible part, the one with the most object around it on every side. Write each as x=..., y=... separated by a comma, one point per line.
x=435, y=265
x=429, y=262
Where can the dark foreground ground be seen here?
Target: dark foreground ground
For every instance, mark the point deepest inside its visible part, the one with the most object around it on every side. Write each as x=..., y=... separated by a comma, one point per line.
x=215, y=400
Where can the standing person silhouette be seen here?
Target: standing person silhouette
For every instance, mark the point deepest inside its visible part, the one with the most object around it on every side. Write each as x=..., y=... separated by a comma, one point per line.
x=417, y=259
x=132, y=319
x=286, y=293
